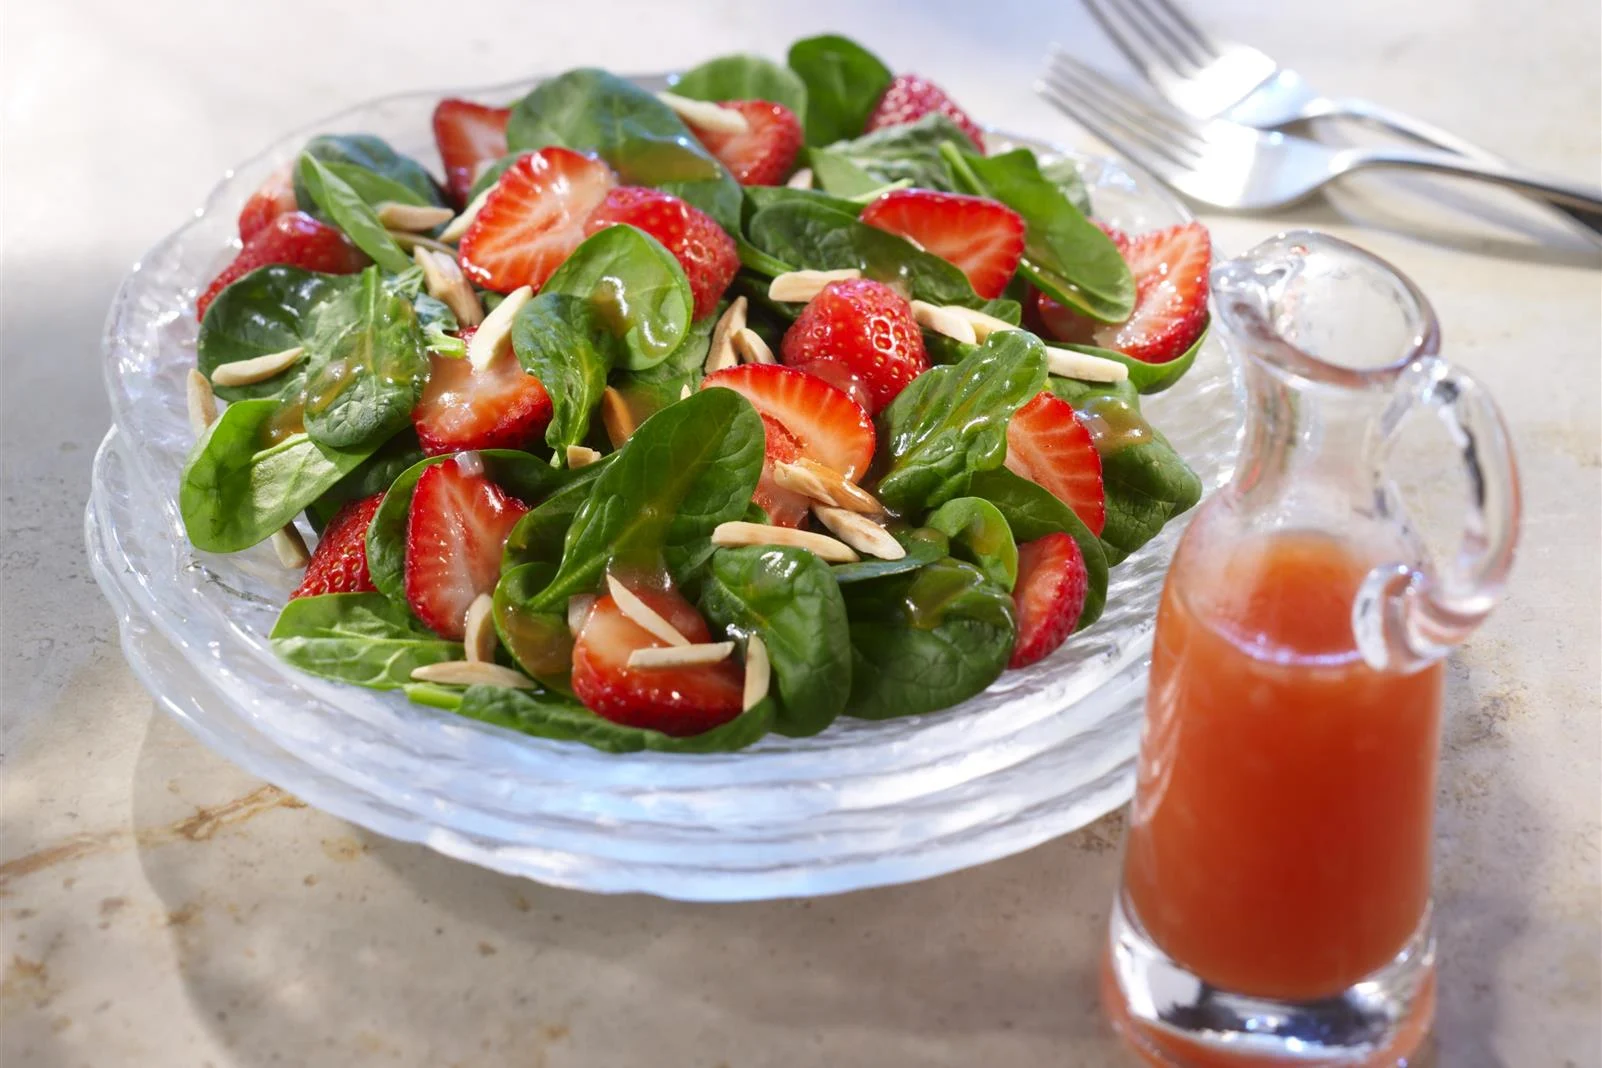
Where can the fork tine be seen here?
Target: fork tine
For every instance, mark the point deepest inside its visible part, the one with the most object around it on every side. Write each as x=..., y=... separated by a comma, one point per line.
x=1119, y=127
x=1122, y=140
x=1151, y=28
x=1160, y=120
x=1184, y=28
x=1136, y=46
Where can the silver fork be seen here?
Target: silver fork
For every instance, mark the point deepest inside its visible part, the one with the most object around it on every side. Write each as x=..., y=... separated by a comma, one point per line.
x=1231, y=165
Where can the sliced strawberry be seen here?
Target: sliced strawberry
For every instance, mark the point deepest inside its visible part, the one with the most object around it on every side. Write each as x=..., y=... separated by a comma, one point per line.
x=457, y=526
x=339, y=563
x=469, y=137
x=984, y=237
x=828, y=426
x=293, y=238
x=500, y=407
x=1049, y=595
x=705, y=251
x=275, y=197
x=910, y=98
x=1170, y=268
x=840, y=377
x=533, y=217
x=674, y=700
x=786, y=508
x=765, y=152
x=865, y=325
x=1049, y=447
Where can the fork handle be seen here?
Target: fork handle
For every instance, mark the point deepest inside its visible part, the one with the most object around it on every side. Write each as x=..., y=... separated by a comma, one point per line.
x=1558, y=191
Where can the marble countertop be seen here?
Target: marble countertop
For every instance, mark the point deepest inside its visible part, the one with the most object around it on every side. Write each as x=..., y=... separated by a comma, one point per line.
x=159, y=907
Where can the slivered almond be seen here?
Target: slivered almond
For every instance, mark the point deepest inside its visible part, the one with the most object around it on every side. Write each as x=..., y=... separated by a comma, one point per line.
x=481, y=637
x=720, y=353
x=581, y=456
x=642, y=614
x=458, y=226
x=616, y=417
x=1083, y=366
x=750, y=347
x=684, y=391
x=705, y=115
x=823, y=483
x=859, y=532
x=578, y=611
x=443, y=277
x=473, y=673
x=798, y=287
x=290, y=546
x=944, y=321
x=201, y=400
x=257, y=368
x=731, y=535
x=680, y=655
x=758, y=673
x=495, y=332
x=412, y=217
x=801, y=179
x=984, y=324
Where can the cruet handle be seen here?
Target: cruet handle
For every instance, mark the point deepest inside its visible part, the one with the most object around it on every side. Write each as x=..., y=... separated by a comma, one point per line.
x=1407, y=616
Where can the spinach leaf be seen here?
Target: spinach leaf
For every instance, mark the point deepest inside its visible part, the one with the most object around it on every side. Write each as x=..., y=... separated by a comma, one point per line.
x=341, y=204
x=843, y=81
x=744, y=77
x=1032, y=512
x=268, y=310
x=908, y=153
x=926, y=640
x=637, y=290
x=789, y=599
x=539, y=535
x=373, y=475
x=372, y=154
x=1147, y=377
x=242, y=481
x=753, y=259
x=361, y=638
x=687, y=468
x=952, y=421
x=648, y=392
x=523, y=476
x=539, y=641
x=1063, y=173
x=628, y=127
x=545, y=715
x=979, y=534
x=758, y=197
x=1146, y=481
x=837, y=176
x=365, y=366
x=558, y=340
x=924, y=546
x=374, y=188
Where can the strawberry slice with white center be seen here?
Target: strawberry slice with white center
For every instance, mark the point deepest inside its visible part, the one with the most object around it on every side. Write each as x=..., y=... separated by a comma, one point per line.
x=786, y=508
x=463, y=408
x=680, y=701
x=458, y=524
x=983, y=237
x=470, y=136
x=1049, y=596
x=764, y=153
x=828, y=426
x=533, y=218
x=1052, y=449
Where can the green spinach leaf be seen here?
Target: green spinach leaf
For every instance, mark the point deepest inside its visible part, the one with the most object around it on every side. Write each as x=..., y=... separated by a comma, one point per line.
x=341, y=204
x=1063, y=172
x=758, y=197
x=908, y=153
x=1146, y=481
x=538, y=641
x=374, y=188
x=373, y=475
x=924, y=546
x=539, y=535
x=1032, y=512
x=843, y=82
x=637, y=290
x=268, y=310
x=979, y=534
x=559, y=340
x=745, y=77
x=648, y=392
x=372, y=154
x=360, y=638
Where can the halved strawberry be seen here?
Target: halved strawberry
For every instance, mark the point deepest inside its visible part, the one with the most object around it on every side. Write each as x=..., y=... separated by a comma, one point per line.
x=786, y=508
x=533, y=217
x=457, y=526
x=910, y=97
x=674, y=700
x=765, y=152
x=499, y=407
x=273, y=198
x=1049, y=596
x=296, y=239
x=705, y=251
x=865, y=325
x=469, y=136
x=339, y=563
x=840, y=377
x=1170, y=268
x=1049, y=447
x=827, y=425
x=984, y=237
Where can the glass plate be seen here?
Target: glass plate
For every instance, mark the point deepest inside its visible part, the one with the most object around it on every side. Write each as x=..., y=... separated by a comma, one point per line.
x=1042, y=752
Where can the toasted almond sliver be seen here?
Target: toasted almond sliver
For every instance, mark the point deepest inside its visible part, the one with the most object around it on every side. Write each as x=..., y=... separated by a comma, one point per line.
x=257, y=368
x=494, y=334
x=984, y=324
x=412, y=217
x=758, y=673
x=1081, y=365
x=201, y=400
x=481, y=638
x=445, y=281
x=684, y=391
x=859, y=532
x=581, y=456
x=459, y=225
x=798, y=287
x=473, y=673
x=662, y=656
x=705, y=115
x=290, y=546
x=824, y=483
x=944, y=321
x=801, y=179
x=642, y=614
x=616, y=417
x=830, y=550
x=720, y=353
x=578, y=611
x=750, y=347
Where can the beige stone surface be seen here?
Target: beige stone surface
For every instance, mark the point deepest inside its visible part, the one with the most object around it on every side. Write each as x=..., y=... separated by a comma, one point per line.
x=161, y=908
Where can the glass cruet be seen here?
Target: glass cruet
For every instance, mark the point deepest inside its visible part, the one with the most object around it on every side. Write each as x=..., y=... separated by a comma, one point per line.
x=1275, y=901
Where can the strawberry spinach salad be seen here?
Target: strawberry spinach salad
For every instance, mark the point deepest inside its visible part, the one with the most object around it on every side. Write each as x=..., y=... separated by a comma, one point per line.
x=669, y=420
